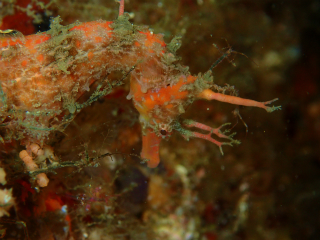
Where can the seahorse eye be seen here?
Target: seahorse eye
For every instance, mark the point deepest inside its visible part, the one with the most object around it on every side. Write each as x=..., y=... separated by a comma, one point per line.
x=163, y=132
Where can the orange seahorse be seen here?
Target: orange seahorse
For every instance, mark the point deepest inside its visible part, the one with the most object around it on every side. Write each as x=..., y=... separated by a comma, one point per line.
x=43, y=75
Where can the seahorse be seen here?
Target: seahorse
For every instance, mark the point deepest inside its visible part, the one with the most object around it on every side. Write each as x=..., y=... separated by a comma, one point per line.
x=43, y=75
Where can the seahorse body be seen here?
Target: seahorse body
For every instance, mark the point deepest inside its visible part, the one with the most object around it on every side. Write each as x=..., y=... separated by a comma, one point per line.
x=43, y=75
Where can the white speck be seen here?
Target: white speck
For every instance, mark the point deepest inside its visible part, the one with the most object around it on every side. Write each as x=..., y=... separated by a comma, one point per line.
x=200, y=2
x=129, y=96
x=7, y=199
x=208, y=109
x=64, y=209
x=244, y=187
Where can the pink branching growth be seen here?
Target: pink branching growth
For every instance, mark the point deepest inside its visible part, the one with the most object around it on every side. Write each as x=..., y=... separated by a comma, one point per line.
x=211, y=95
x=208, y=136
x=121, y=7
